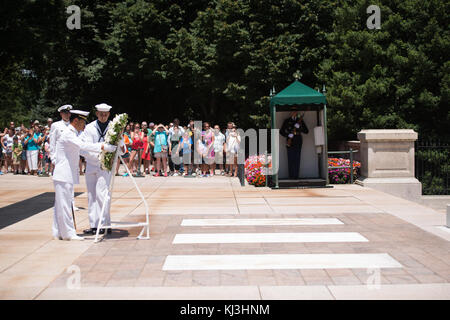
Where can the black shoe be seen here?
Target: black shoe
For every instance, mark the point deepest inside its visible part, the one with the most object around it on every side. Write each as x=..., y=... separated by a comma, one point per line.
x=90, y=231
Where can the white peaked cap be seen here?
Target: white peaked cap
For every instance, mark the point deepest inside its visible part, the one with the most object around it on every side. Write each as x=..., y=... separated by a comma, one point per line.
x=65, y=107
x=80, y=113
x=103, y=107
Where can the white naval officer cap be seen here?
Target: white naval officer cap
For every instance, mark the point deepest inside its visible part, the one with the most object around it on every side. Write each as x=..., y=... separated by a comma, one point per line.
x=80, y=114
x=65, y=107
x=103, y=107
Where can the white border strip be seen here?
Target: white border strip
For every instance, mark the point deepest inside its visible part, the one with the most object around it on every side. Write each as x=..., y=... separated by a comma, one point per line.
x=268, y=237
x=260, y=222
x=279, y=261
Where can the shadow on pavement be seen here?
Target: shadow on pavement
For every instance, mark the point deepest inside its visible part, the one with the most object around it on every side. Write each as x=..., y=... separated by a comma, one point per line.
x=116, y=234
x=26, y=208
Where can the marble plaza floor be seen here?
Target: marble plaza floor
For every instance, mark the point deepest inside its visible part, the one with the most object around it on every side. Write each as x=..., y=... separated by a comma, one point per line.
x=210, y=238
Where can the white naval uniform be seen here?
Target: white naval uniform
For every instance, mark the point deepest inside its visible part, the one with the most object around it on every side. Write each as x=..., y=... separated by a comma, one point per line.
x=66, y=174
x=97, y=180
x=56, y=131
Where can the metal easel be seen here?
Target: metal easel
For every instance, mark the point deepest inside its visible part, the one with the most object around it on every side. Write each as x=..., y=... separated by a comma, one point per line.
x=145, y=225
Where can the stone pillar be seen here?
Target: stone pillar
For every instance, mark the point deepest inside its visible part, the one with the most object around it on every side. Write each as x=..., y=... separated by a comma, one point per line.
x=387, y=162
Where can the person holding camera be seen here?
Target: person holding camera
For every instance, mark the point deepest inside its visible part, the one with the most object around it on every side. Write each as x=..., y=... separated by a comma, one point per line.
x=137, y=147
x=160, y=148
x=175, y=134
x=232, y=146
x=32, y=141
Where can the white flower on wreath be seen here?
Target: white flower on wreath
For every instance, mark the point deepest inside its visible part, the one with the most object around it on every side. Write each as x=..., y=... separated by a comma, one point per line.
x=114, y=130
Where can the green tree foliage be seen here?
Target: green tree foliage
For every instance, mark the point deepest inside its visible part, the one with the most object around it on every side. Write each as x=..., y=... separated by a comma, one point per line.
x=217, y=60
x=394, y=77
x=212, y=60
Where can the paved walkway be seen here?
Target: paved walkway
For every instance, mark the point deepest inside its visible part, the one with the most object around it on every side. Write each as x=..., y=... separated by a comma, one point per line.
x=213, y=239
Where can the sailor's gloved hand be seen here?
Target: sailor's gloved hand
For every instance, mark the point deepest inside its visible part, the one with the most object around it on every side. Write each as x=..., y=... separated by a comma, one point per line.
x=291, y=135
x=109, y=147
x=297, y=125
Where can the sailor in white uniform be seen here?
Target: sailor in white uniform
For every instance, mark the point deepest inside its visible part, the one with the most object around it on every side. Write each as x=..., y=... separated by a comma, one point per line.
x=56, y=130
x=66, y=173
x=97, y=180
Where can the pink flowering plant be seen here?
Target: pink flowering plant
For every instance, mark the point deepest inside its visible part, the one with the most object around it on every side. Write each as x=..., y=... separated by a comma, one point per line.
x=341, y=175
x=257, y=168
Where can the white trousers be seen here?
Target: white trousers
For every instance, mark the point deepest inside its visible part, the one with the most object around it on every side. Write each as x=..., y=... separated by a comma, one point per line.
x=32, y=158
x=62, y=213
x=97, y=182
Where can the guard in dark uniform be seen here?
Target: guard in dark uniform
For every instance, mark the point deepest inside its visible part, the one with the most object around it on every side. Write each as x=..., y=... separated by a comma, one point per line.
x=292, y=129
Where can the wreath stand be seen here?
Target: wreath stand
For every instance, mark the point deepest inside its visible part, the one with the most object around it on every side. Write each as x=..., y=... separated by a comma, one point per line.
x=145, y=225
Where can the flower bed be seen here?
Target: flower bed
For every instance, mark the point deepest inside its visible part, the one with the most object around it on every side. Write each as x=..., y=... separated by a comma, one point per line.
x=341, y=175
x=255, y=169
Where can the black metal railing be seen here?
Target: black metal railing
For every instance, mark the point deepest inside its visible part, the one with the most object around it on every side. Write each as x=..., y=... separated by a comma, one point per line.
x=351, y=152
x=432, y=166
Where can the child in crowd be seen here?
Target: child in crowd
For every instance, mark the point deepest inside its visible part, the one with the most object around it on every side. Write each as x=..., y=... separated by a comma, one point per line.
x=23, y=158
x=185, y=147
x=17, y=150
x=47, y=162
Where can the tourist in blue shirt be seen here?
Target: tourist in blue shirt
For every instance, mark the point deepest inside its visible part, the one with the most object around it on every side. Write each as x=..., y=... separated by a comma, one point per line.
x=32, y=140
x=160, y=147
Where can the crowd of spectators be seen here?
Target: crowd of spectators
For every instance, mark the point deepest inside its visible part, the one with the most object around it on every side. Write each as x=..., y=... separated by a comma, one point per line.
x=26, y=150
x=164, y=150
x=159, y=150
